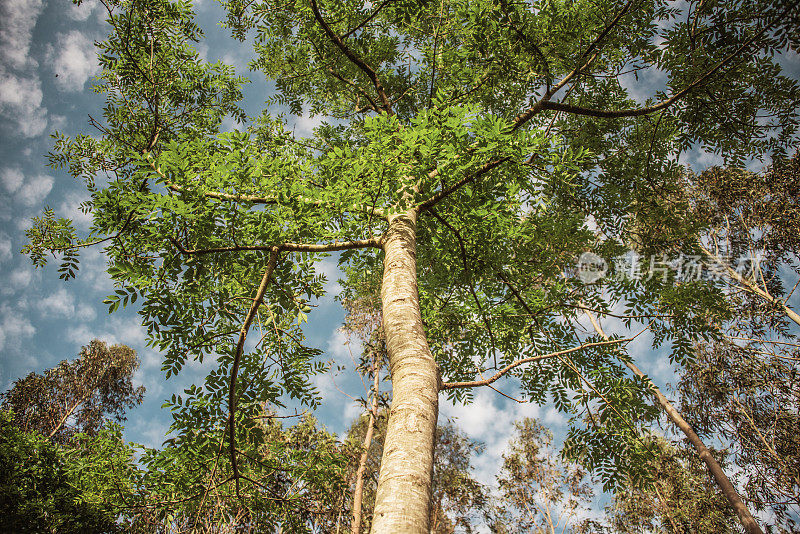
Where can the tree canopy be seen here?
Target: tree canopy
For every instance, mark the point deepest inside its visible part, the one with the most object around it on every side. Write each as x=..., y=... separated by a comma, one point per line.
x=76, y=396
x=472, y=150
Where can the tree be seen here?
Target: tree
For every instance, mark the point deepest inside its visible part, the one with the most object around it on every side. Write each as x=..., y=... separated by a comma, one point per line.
x=740, y=388
x=458, y=501
x=679, y=497
x=39, y=492
x=78, y=395
x=473, y=142
x=750, y=401
x=539, y=491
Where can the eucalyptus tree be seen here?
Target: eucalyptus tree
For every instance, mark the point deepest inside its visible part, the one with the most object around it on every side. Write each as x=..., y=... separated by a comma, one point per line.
x=741, y=388
x=467, y=144
x=76, y=396
x=539, y=491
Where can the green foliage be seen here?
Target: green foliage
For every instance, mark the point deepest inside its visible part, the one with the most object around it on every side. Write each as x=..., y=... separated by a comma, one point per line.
x=512, y=129
x=42, y=491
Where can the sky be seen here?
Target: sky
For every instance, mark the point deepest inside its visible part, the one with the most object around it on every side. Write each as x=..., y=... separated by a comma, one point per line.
x=47, y=65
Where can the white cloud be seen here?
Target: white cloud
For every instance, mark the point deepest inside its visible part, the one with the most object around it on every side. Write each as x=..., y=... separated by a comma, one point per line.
x=20, y=88
x=343, y=348
x=35, y=190
x=73, y=60
x=21, y=103
x=488, y=419
x=29, y=191
x=17, y=21
x=20, y=278
x=305, y=124
x=85, y=312
x=60, y=304
x=12, y=179
x=83, y=11
x=115, y=330
x=70, y=208
x=13, y=325
x=5, y=247
x=330, y=268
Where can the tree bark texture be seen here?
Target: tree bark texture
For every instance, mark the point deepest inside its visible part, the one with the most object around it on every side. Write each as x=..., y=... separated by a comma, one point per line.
x=402, y=502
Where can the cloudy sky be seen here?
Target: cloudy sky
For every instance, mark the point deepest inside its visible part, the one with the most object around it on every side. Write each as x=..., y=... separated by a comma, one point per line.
x=47, y=64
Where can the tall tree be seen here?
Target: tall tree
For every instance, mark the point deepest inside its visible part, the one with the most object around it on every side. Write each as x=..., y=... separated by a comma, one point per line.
x=539, y=491
x=458, y=501
x=474, y=140
x=678, y=497
x=77, y=395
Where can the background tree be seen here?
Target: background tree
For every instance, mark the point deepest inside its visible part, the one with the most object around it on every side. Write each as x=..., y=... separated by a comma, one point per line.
x=474, y=141
x=77, y=395
x=40, y=491
x=539, y=491
x=748, y=399
x=678, y=497
x=742, y=226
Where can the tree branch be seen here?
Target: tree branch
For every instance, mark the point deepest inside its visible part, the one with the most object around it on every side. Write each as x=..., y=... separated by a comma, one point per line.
x=539, y=106
x=271, y=263
x=465, y=261
x=353, y=57
x=507, y=368
x=444, y=193
x=636, y=112
x=292, y=247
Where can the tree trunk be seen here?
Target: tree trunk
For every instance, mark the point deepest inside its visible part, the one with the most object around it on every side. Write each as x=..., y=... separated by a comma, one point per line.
x=722, y=480
x=358, y=492
x=402, y=502
x=752, y=287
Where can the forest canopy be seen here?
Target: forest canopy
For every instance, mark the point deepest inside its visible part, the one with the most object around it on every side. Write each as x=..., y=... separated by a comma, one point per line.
x=476, y=157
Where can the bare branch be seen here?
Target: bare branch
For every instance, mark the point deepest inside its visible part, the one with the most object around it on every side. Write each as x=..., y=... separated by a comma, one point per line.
x=374, y=242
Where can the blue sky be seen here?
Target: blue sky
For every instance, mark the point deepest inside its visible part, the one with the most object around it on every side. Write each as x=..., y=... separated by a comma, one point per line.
x=46, y=68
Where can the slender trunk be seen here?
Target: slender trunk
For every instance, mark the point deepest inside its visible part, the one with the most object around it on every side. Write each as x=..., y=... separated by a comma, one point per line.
x=358, y=493
x=722, y=480
x=752, y=287
x=402, y=502
x=69, y=412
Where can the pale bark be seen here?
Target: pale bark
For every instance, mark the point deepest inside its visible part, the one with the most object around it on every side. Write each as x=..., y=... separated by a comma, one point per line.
x=752, y=287
x=358, y=492
x=722, y=480
x=69, y=412
x=402, y=502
